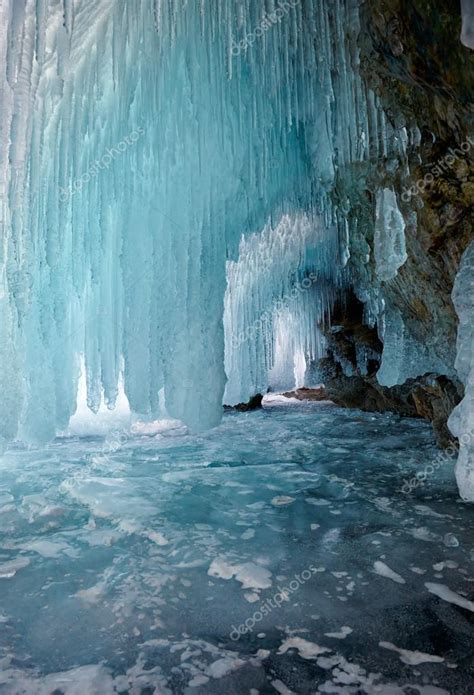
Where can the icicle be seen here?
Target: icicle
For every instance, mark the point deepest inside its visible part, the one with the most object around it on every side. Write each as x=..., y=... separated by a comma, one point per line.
x=139, y=145
x=275, y=300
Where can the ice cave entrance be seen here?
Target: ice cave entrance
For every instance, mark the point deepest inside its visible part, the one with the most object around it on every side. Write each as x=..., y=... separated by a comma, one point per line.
x=204, y=203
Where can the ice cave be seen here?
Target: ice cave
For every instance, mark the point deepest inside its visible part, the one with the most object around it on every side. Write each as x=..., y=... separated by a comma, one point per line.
x=236, y=347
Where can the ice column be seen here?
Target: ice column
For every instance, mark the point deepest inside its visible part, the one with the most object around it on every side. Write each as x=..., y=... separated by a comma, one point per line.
x=461, y=422
x=467, y=31
x=403, y=356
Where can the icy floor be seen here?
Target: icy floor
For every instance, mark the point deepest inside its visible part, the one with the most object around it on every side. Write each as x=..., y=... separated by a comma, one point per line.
x=134, y=573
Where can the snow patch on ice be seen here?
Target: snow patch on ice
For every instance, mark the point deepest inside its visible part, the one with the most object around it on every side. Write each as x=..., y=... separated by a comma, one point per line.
x=342, y=634
x=445, y=593
x=9, y=569
x=306, y=649
x=384, y=571
x=282, y=500
x=249, y=574
x=412, y=658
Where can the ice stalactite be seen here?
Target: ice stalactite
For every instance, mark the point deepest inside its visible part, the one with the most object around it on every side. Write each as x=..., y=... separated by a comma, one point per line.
x=140, y=141
x=278, y=291
x=143, y=145
x=390, y=254
x=268, y=336
x=390, y=250
x=404, y=356
x=461, y=421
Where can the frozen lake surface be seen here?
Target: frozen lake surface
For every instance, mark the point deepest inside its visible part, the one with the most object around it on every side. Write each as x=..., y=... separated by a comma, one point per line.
x=278, y=553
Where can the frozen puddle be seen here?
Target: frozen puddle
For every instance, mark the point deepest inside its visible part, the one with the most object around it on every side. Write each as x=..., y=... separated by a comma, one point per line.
x=275, y=554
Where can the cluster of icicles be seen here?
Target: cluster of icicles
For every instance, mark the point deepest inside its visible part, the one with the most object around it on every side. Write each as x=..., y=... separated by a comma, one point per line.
x=139, y=146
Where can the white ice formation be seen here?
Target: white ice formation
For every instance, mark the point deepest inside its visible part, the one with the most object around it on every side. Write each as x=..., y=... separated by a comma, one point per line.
x=461, y=421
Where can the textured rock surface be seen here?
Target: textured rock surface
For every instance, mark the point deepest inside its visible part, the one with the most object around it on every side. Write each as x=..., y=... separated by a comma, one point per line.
x=412, y=57
x=354, y=385
x=253, y=404
x=308, y=394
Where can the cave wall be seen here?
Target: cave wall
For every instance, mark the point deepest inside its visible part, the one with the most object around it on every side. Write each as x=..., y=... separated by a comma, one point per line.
x=412, y=57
